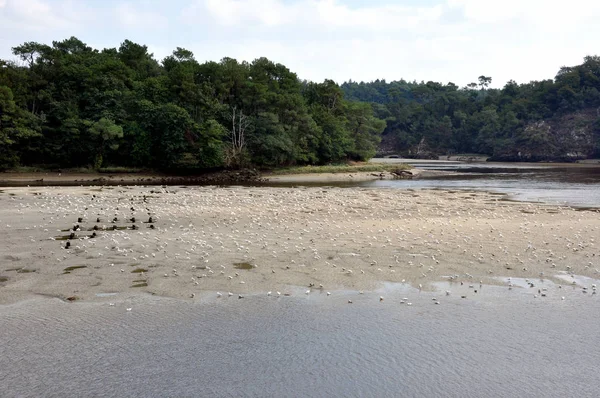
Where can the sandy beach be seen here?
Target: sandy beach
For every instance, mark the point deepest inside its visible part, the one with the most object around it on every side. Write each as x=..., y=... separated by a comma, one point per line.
x=185, y=241
x=321, y=178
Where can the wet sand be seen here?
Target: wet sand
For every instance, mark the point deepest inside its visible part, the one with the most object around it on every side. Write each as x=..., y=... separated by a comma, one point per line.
x=42, y=179
x=253, y=240
x=70, y=178
x=353, y=177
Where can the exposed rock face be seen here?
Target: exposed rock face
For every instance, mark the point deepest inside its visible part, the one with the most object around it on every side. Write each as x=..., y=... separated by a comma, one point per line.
x=566, y=138
x=388, y=146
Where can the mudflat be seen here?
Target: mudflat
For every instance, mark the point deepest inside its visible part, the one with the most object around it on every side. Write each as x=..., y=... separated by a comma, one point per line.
x=82, y=243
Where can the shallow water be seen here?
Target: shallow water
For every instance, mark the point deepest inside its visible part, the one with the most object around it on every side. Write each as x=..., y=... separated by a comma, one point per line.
x=496, y=343
x=566, y=184
x=574, y=185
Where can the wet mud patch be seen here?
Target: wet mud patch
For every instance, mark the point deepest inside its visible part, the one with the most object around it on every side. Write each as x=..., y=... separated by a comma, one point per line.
x=21, y=270
x=73, y=268
x=139, y=283
x=244, y=265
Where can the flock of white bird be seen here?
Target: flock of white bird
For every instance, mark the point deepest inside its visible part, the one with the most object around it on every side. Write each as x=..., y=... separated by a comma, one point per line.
x=180, y=241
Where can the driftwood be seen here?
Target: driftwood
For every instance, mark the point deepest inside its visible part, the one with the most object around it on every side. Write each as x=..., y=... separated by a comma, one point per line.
x=394, y=174
x=400, y=173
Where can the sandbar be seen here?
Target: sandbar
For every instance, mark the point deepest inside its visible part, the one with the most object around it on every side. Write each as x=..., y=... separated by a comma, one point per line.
x=181, y=242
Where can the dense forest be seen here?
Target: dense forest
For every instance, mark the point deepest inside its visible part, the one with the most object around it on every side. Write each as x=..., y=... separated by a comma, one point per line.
x=542, y=120
x=69, y=105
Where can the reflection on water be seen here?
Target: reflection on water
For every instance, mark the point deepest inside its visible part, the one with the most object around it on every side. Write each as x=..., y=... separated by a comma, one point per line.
x=571, y=184
x=575, y=185
x=496, y=344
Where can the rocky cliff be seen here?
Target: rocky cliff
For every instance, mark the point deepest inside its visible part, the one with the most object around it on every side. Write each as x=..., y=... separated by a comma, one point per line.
x=569, y=137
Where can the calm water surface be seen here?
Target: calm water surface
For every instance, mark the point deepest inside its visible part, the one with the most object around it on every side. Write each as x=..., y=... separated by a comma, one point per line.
x=498, y=344
x=575, y=185
x=566, y=184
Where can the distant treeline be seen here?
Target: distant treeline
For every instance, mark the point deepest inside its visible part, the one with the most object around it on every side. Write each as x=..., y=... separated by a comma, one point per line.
x=499, y=122
x=69, y=105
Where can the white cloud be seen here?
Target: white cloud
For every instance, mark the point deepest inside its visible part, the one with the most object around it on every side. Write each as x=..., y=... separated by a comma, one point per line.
x=507, y=39
x=445, y=40
x=232, y=12
x=43, y=21
x=550, y=13
x=31, y=15
x=333, y=13
x=355, y=59
x=328, y=39
x=132, y=17
x=529, y=39
x=327, y=14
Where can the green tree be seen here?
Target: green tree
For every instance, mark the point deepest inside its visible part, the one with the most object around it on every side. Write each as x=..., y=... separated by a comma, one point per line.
x=106, y=134
x=365, y=130
x=16, y=127
x=484, y=81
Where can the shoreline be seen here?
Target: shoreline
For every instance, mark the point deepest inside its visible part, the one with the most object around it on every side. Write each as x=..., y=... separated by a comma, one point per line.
x=549, y=290
x=43, y=179
x=251, y=176
x=250, y=240
x=354, y=176
x=40, y=179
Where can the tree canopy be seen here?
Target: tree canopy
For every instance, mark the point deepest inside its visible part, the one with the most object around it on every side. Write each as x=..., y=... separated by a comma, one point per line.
x=70, y=105
x=478, y=119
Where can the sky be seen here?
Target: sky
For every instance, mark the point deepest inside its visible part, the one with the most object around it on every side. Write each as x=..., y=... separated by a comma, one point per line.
x=362, y=40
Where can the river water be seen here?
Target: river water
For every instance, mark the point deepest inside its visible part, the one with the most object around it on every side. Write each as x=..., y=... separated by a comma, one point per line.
x=570, y=184
x=498, y=343
x=564, y=184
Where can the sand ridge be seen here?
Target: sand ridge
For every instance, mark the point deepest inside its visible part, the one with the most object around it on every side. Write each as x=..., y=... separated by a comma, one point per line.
x=190, y=240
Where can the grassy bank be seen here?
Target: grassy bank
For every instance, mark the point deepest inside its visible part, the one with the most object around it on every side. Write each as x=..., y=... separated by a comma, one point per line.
x=333, y=168
x=340, y=168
